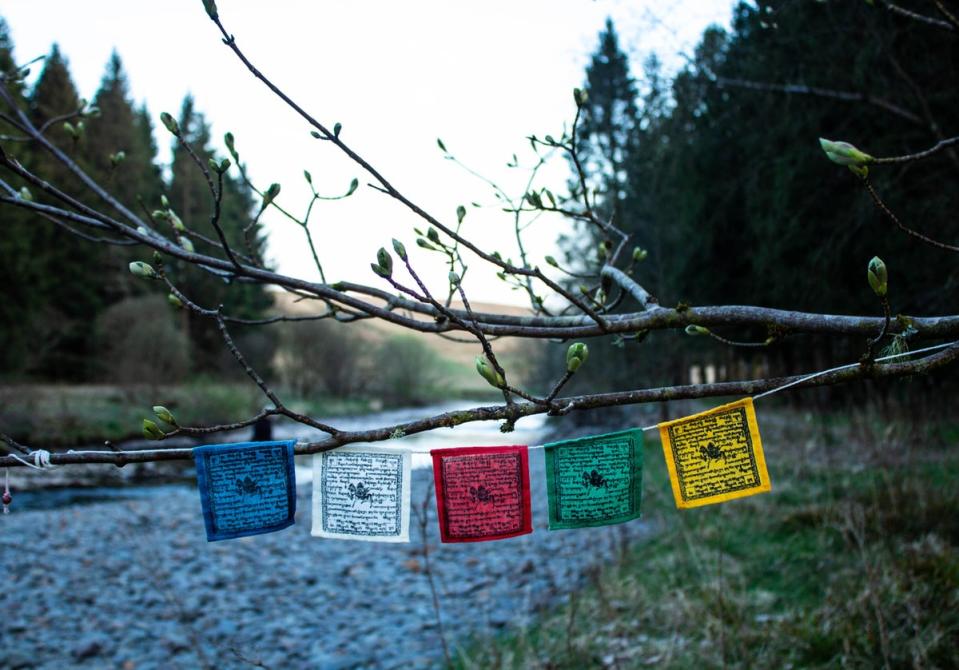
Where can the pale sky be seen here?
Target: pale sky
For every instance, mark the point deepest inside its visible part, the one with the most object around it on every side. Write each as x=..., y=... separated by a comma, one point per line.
x=397, y=75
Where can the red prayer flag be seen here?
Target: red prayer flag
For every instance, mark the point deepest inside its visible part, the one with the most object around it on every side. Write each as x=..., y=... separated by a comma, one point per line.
x=482, y=493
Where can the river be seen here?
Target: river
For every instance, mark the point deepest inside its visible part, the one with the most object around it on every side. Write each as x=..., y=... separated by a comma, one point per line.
x=122, y=577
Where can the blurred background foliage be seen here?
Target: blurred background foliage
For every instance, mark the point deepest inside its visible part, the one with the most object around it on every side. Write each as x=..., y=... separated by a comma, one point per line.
x=723, y=184
x=718, y=175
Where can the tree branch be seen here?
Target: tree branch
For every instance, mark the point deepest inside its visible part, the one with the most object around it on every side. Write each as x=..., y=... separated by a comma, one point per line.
x=574, y=403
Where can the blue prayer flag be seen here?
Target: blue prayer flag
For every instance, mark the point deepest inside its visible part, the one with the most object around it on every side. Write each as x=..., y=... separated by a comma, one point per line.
x=247, y=488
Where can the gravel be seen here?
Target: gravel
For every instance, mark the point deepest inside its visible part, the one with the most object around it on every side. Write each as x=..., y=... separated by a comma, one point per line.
x=130, y=582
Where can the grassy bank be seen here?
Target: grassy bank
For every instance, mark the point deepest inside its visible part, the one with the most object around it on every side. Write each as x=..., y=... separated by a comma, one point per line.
x=58, y=415
x=851, y=562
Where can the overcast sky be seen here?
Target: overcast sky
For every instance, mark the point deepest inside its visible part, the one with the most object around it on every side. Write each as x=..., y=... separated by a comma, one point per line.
x=397, y=75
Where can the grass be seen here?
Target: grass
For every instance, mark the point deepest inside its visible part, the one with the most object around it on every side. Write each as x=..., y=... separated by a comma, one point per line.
x=851, y=562
x=49, y=415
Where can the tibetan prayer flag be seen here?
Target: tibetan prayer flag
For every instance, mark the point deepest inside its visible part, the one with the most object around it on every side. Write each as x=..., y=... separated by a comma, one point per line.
x=482, y=493
x=715, y=455
x=246, y=489
x=361, y=493
x=595, y=481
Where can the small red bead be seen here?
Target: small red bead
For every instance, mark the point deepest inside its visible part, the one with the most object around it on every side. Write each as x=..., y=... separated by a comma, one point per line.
x=7, y=498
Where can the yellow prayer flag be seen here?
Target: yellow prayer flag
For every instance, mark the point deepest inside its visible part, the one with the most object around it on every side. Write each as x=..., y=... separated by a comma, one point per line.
x=716, y=455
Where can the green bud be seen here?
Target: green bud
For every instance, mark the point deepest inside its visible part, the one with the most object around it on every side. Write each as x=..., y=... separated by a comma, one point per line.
x=489, y=373
x=844, y=153
x=696, y=330
x=117, y=158
x=576, y=355
x=385, y=260
x=164, y=201
x=210, y=7
x=25, y=194
x=454, y=279
x=151, y=431
x=270, y=195
x=164, y=415
x=175, y=301
x=433, y=235
x=70, y=130
x=353, y=186
x=460, y=214
x=308, y=176
x=580, y=97
x=877, y=276
x=551, y=261
x=316, y=135
x=380, y=270
x=337, y=127
x=225, y=165
x=420, y=242
x=440, y=144
x=187, y=244
x=639, y=254
x=214, y=165
x=160, y=214
x=399, y=249
x=228, y=140
x=145, y=270
x=175, y=221
x=170, y=123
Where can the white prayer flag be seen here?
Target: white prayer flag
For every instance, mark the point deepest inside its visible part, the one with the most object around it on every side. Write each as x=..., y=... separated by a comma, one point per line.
x=362, y=493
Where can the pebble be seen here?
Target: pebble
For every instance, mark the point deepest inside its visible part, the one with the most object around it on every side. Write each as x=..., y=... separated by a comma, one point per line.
x=147, y=588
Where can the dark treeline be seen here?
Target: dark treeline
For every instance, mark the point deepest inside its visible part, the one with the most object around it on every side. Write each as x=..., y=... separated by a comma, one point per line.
x=719, y=176
x=70, y=309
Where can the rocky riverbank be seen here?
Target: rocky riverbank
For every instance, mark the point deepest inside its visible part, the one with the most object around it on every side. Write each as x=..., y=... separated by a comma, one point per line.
x=132, y=583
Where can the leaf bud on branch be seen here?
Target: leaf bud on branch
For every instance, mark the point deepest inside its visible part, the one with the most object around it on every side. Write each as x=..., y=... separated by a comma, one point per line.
x=576, y=355
x=170, y=123
x=489, y=373
x=151, y=431
x=145, y=270
x=878, y=276
x=164, y=415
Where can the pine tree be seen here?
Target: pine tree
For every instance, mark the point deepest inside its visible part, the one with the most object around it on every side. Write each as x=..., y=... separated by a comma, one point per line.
x=60, y=285
x=131, y=176
x=608, y=120
x=190, y=198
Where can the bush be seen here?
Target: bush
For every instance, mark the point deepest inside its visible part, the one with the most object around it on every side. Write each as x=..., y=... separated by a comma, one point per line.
x=139, y=341
x=317, y=356
x=406, y=372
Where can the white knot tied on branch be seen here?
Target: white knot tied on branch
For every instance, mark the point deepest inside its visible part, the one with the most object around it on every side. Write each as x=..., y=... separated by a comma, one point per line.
x=40, y=457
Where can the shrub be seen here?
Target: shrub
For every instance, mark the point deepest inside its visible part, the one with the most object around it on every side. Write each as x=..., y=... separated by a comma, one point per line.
x=317, y=356
x=139, y=341
x=406, y=372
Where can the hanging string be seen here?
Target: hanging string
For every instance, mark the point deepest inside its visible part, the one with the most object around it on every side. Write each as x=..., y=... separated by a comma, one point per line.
x=7, y=498
x=852, y=365
x=806, y=378
x=41, y=457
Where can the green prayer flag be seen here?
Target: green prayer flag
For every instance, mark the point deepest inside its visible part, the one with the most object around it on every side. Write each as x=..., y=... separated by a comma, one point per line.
x=595, y=481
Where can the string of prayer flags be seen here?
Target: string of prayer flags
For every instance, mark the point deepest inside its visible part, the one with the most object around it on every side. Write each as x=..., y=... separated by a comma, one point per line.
x=361, y=493
x=482, y=493
x=595, y=481
x=715, y=455
x=246, y=488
